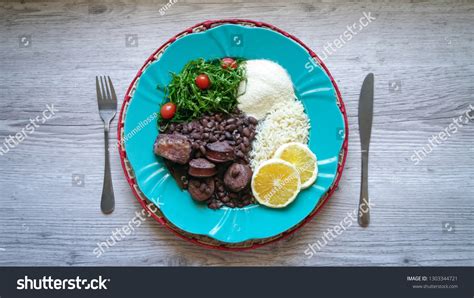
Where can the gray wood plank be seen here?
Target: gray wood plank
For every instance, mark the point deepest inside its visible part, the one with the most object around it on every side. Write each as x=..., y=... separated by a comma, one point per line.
x=427, y=47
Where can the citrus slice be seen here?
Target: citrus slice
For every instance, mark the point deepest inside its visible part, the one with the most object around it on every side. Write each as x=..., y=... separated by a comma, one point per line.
x=276, y=183
x=302, y=158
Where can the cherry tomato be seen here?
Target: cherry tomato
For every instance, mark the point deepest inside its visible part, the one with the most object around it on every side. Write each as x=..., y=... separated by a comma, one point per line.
x=203, y=82
x=168, y=110
x=228, y=62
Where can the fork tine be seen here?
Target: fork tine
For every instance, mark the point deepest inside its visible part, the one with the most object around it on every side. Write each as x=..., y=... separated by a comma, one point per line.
x=107, y=89
x=114, y=96
x=97, y=87
x=104, y=95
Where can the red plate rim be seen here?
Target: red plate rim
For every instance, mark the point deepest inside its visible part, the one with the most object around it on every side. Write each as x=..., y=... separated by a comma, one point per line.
x=131, y=182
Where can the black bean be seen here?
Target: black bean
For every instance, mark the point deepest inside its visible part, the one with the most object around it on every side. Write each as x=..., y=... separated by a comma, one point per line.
x=233, y=195
x=253, y=120
x=230, y=127
x=205, y=135
x=220, y=188
x=228, y=135
x=246, y=132
x=252, y=135
x=222, y=138
x=202, y=149
x=238, y=141
x=230, y=204
x=195, y=146
x=239, y=154
x=213, y=138
x=225, y=199
x=231, y=121
x=246, y=141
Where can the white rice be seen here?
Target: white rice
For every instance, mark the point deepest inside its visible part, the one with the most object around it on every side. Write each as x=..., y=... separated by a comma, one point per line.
x=286, y=123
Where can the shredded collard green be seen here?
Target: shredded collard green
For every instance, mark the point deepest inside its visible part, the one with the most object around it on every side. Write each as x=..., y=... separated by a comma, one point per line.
x=192, y=102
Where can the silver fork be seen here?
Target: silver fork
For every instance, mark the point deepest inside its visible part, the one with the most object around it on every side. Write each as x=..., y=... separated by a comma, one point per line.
x=107, y=101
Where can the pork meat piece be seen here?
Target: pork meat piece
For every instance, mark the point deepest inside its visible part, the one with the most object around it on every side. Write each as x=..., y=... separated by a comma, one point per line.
x=174, y=147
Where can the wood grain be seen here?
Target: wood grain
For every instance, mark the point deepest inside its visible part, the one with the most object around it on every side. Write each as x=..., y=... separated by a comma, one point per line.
x=428, y=47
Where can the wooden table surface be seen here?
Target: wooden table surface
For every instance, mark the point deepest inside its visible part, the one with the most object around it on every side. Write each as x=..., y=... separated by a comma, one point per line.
x=50, y=183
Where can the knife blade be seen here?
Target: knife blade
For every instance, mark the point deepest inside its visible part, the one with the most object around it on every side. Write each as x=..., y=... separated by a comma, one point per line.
x=366, y=109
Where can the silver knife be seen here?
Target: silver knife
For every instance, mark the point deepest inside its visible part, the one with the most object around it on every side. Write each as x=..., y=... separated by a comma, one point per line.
x=366, y=108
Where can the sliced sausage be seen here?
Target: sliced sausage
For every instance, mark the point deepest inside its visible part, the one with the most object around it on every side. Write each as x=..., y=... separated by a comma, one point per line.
x=201, y=167
x=237, y=177
x=174, y=147
x=220, y=151
x=201, y=189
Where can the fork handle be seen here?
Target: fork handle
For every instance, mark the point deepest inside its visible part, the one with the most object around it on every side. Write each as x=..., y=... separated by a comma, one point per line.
x=364, y=211
x=107, y=202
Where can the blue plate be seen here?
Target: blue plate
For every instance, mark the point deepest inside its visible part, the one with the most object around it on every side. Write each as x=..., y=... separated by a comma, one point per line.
x=313, y=87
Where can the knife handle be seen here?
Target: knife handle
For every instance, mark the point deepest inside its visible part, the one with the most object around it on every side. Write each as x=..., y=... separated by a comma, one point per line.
x=364, y=211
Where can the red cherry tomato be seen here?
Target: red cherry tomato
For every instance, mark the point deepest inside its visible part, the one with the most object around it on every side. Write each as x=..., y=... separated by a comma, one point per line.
x=203, y=82
x=228, y=62
x=168, y=110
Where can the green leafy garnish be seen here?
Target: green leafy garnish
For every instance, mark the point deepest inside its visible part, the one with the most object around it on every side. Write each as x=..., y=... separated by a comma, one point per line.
x=192, y=102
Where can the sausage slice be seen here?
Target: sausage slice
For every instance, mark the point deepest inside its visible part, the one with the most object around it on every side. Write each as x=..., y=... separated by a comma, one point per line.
x=201, y=167
x=237, y=177
x=220, y=152
x=201, y=189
